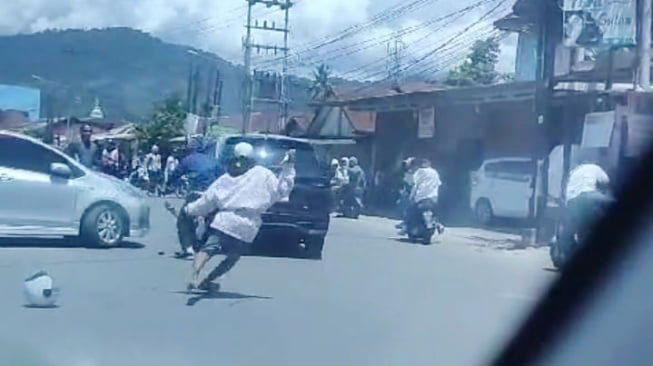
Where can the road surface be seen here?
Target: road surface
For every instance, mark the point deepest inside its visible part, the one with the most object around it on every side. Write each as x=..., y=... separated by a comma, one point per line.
x=373, y=300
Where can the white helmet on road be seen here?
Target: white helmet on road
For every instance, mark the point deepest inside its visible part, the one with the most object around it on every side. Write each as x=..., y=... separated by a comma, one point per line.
x=39, y=291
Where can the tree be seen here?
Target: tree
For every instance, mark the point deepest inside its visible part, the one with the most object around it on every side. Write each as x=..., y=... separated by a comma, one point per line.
x=166, y=122
x=321, y=89
x=479, y=67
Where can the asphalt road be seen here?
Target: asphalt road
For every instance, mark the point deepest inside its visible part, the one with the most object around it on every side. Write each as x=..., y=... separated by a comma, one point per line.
x=373, y=300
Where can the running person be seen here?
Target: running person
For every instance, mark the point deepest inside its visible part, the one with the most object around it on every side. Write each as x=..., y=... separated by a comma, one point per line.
x=240, y=197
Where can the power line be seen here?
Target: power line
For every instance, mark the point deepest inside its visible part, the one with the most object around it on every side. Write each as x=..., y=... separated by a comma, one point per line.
x=452, y=17
x=391, y=13
x=441, y=46
x=457, y=35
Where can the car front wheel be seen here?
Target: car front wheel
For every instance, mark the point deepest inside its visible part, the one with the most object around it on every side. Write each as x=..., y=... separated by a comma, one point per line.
x=483, y=212
x=103, y=226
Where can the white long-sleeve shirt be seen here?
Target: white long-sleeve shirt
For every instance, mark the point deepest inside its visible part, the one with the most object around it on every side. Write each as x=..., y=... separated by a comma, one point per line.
x=241, y=200
x=584, y=179
x=426, y=185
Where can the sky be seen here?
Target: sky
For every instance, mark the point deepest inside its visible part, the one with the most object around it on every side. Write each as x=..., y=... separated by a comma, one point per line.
x=352, y=36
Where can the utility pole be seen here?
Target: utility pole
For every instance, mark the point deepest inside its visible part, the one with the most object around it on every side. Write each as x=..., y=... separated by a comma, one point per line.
x=395, y=52
x=217, y=96
x=189, y=88
x=250, y=97
x=195, y=90
x=284, y=68
x=248, y=94
x=645, y=44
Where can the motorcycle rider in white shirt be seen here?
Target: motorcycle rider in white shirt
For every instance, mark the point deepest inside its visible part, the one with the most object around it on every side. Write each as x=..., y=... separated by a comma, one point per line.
x=424, y=194
x=586, y=195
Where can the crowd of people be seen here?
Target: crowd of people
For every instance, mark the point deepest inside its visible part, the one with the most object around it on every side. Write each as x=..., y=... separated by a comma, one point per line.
x=149, y=171
x=347, y=178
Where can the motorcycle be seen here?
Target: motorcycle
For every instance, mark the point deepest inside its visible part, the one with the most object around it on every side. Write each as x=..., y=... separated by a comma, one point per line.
x=422, y=223
x=561, y=249
x=139, y=179
x=180, y=188
x=192, y=231
x=351, y=203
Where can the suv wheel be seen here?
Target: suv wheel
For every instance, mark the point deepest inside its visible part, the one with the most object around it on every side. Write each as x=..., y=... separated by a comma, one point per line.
x=103, y=226
x=483, y=212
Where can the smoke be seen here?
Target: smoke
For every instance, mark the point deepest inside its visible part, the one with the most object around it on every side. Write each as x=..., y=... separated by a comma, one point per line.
x=218, y=26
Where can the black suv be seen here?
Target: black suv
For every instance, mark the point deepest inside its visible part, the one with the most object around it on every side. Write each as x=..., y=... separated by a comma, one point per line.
x=301, y=222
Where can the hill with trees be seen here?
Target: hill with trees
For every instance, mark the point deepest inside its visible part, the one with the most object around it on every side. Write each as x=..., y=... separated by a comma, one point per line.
x=128, y=70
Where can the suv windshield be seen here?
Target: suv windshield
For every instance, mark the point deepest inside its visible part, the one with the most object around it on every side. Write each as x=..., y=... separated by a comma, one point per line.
x=270, y=153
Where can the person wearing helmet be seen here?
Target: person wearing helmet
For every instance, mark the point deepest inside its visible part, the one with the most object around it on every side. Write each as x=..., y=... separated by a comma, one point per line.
x=153, y=166
x=198, y=166
x=238, y=198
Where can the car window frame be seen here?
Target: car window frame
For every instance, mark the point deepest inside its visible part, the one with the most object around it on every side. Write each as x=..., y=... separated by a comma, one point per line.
x=76, y=172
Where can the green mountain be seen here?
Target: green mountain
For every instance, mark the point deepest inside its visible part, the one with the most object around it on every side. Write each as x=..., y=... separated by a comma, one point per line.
x=128, y=70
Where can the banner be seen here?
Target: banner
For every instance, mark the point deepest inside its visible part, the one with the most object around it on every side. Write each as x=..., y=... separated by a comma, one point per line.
x=426, y=123
x=600, y=23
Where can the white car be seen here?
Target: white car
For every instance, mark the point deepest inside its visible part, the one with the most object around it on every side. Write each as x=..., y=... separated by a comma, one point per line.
x=45, y=193
x=502, y=187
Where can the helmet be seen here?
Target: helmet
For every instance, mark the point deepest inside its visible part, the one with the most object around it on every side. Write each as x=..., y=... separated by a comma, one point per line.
x=243, y=150
x=334, y=162
x=39, y=291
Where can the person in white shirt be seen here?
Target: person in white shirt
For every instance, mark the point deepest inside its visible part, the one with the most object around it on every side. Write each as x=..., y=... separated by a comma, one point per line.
x=586, y=178
x=586, y=195
x=240, y=197
x=171, y=164
x=424, y=195
x=153, y=167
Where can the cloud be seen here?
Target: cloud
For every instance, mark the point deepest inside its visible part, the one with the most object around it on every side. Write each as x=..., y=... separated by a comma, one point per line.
x=218, y=26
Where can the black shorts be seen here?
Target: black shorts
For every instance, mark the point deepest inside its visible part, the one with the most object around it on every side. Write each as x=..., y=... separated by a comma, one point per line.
x=219, y=242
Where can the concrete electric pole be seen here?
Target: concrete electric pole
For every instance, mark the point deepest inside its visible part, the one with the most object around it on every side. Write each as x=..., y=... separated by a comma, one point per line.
x=645, y=44
x=395, y=53
x=250, y=97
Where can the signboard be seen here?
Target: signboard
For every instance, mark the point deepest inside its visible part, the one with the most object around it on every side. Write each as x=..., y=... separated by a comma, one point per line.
x=21, y=99
x=599, y=23
x=597, y=130
x=426, y=123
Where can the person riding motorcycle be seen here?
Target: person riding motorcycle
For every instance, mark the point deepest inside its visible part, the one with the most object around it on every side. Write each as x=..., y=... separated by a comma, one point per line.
x=199, y=167
x=423, y=196
x=587, y=196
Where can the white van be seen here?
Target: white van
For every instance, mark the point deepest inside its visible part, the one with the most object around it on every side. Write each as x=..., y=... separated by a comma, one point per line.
x=503, y=187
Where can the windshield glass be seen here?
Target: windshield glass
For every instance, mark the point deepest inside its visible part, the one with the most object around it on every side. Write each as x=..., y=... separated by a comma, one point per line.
x=270, y=152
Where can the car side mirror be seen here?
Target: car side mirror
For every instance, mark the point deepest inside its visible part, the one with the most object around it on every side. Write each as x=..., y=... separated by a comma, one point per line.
x=60, y=170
